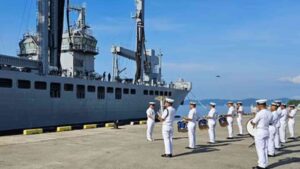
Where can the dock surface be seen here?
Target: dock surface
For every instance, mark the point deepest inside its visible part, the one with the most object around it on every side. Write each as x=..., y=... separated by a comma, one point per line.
x=127, y=148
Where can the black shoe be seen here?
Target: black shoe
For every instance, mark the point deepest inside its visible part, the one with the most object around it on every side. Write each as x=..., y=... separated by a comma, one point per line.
x=240, y=135
x=167, y=155
x=189, y=148
x=210, y=142
x=257, y=167
x=229, y=137
x=271, y=155
x=292, y=138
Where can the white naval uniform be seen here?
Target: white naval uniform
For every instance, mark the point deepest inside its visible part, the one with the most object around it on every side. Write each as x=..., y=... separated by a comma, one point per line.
x=150, y=122
x=283, y=121
x=212, y=125
x=272, y=132
x=291, y=122
x=262, y=120
x=167, y=129
x=239, y=119
x=277, y=139
x=230, y=121
x=192, y=127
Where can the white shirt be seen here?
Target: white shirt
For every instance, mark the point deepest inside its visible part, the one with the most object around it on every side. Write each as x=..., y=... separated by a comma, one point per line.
x=275, y=118
x=240, y=111
x=283, y=117
x=262, y=119
x=193, y=115
x=212, y=113
x=169, y=116
x=293, y=113
x=230, y=111
x=150, y=112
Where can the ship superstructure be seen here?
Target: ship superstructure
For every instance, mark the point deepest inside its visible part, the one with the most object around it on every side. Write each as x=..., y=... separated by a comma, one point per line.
x=53, y=82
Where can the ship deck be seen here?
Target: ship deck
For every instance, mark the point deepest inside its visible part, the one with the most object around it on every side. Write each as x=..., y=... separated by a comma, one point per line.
x=127, y=148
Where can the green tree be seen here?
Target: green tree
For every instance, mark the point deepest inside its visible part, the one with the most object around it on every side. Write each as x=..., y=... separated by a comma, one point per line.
x=295, y=102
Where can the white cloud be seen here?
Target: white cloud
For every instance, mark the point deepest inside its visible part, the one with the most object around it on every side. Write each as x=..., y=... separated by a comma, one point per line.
x=295, y=79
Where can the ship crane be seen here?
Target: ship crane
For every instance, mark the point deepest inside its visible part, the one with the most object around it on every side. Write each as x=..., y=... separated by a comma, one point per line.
x=148, y=67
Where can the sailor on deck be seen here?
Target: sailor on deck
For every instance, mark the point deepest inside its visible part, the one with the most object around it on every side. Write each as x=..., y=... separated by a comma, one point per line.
x=229, y=118
x=277, y=139
x=283, y=121
x=167, y=118
x=239, y=119
x=192, y=119
x=273, y=130
x=150, y=120
x=212, y=123
x=261, y=122
x=291, y=121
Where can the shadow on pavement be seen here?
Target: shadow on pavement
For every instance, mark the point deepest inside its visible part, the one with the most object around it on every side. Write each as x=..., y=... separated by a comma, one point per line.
x=197, y=151
x=175, y=138
x=230, y=140
x=284, y=162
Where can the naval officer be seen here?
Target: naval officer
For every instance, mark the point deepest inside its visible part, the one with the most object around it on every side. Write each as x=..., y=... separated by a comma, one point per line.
x=167, y=117
x=150, y=120
x=273, y=130
x=239, y=119
x=212, y=123
x=191, y=119
x=229, y=117
x=277, y=139
x=291, y=121
x=283, y=121
x=261, y=122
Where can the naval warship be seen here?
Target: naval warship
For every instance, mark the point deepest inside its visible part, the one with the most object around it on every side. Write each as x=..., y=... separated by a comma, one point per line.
x=53, y=82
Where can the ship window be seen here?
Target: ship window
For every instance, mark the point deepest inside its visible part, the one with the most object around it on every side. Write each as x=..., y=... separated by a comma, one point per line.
x=110, y=90
x=91, y=88
x=170, y=93
x=151, y=92
x=156, y=93
x=161, y=93
x=126, y=91
x=80, y=91
x=68, y=87
x=118, y=94
x=40, y=85
x=166, y=94
x=101, y=93
x=7, y=83
x=146, y=92
x=55, y=90
x=132, y=91
x=24, y=84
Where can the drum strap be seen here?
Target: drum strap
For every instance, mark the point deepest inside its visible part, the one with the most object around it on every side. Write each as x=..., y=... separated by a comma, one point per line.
x=167, y=113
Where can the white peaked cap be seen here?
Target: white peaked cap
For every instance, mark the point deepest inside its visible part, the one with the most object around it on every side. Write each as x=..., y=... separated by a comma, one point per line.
x=229, y=102
x=193, y=103
x=261, y=101
x=283, y=104
x=292, y=105
x=169, y=100
x=277, y=101
x=212, y=104
x=274, y=104
x=151, y=103
x=239, y=102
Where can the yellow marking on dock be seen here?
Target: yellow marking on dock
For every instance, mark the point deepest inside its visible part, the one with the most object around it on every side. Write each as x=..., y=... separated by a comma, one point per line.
x=32, y=131
x=143, y=122
x=109, y=125
x=63, y=128
x=90, y=126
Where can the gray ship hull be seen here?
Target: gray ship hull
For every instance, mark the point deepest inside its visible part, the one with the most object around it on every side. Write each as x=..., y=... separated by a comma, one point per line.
x=31, y=108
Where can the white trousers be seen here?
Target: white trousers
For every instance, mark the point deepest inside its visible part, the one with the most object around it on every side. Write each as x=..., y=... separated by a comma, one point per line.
x=261, y=144
x=167, y=133
x=240, y=124
x=229, y=127
x=150, y=127
x=282, y=131
x=291, y=124
x=211, y=130
x=271, y=140
x=276, y=138
x=192, y=134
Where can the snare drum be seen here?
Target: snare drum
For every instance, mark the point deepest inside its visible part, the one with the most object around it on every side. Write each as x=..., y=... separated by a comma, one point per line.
x=223, y=121
x=182, y=126
x=202, y=124
x=251, y=130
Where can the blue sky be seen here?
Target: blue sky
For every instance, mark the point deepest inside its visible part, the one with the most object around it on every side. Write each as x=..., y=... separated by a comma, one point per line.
x=254, y=45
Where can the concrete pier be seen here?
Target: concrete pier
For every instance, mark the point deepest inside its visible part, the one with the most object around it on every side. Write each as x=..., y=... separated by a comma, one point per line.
x=127, y=148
